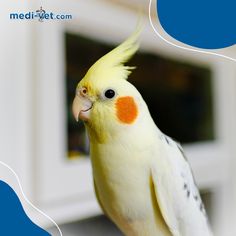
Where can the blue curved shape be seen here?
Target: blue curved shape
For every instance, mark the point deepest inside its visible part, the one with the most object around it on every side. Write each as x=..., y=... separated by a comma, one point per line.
x=13, y=219
x=208, y=24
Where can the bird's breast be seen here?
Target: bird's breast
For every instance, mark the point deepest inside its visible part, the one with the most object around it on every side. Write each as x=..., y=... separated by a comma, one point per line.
x=122, y=180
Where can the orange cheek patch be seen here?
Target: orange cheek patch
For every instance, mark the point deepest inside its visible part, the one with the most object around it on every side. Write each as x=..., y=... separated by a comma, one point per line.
x=126, y=110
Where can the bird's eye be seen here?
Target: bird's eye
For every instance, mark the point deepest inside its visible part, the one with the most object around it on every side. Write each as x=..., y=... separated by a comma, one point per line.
x=109, y=93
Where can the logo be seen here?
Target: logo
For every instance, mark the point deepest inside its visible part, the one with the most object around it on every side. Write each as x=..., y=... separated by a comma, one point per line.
x=41, y=15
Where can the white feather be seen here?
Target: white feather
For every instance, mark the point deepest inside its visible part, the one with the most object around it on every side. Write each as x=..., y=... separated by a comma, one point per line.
x=177, y=193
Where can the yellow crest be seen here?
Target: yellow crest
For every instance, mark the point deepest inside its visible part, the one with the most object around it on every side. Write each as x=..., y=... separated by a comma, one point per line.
x=112, y=64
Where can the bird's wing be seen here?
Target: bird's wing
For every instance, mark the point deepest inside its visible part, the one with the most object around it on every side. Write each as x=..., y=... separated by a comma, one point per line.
x=176, y=192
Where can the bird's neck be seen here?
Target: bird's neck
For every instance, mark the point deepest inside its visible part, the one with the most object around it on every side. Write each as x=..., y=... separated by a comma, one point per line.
x=136, y=134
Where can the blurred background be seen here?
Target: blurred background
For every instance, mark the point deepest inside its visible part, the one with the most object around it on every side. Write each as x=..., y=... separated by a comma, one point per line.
x=191, y=96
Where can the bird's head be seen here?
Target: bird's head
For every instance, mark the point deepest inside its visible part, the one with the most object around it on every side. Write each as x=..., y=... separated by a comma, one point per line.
x=104, y=99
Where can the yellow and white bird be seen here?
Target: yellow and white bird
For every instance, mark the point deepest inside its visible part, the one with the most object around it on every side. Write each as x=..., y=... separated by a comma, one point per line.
x=142, y=180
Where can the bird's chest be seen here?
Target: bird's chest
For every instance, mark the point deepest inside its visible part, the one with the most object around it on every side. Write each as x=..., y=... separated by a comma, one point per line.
x=122, y=183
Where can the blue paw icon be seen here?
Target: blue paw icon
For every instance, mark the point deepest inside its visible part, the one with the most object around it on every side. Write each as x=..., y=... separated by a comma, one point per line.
x=208, y=24
x=13, y=219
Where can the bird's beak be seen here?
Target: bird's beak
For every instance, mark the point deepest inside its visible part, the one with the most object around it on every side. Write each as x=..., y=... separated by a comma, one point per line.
x=81, y=107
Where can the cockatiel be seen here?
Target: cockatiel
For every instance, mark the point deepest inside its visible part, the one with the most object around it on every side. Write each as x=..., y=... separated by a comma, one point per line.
x=142, y=179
